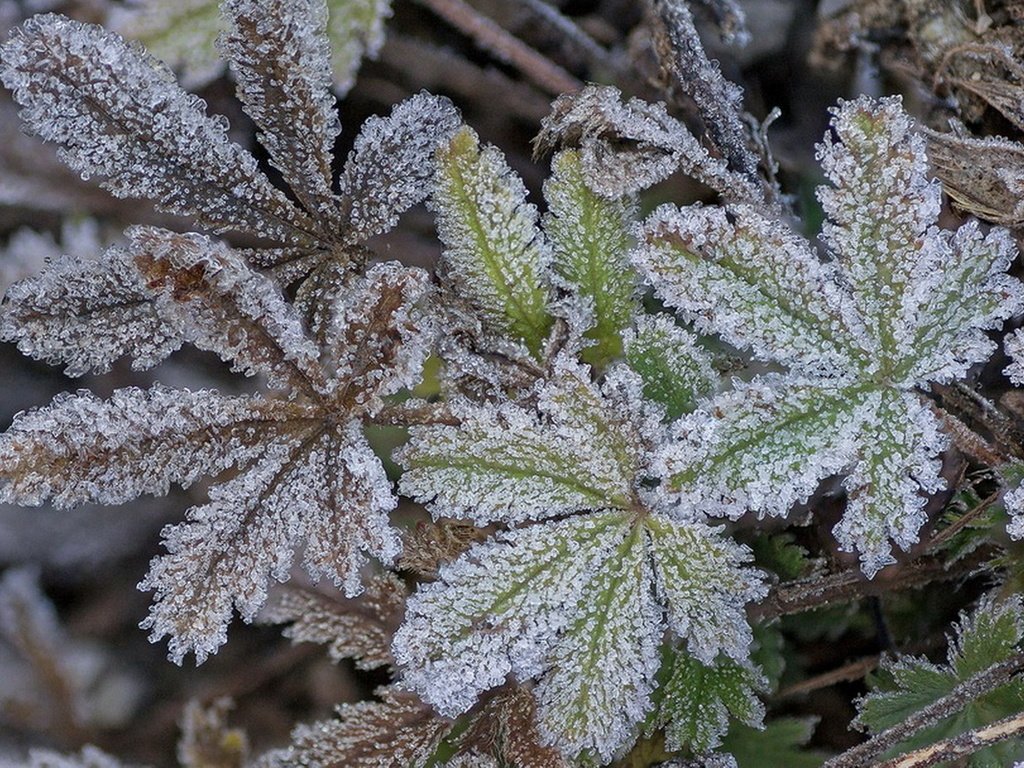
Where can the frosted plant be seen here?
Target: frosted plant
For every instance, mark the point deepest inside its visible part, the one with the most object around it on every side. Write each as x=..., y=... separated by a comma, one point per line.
x=594, y=567
x=306, y=473
x=184, y=34
x=155, y=141
x=900, y=304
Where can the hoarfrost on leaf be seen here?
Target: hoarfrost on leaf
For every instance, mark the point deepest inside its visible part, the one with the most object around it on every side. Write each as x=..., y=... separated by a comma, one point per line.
x=902, y=304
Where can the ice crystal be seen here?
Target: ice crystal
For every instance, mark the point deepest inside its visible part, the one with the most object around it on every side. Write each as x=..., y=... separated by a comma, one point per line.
x=579, y=602
x=987, y=636
x=902, y=304
x=183, y=34
x=155, y=141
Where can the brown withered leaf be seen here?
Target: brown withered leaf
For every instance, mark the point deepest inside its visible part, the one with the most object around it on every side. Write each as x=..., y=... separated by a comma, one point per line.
x=358, y=628
x=506, y=728
x=432, y=544
x=983, y=176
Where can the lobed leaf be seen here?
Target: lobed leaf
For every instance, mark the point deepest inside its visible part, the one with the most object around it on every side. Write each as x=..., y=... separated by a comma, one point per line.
x=150, y=140
x=590, y=237
x=86, y=314
x=391, y=165
x=676, y=372
x=753, y=281
x=780, y=742
x=356, y=30
x=765, y=445
x=494, y=253
x=83, y=449
x=280, y=59
x=323, y=487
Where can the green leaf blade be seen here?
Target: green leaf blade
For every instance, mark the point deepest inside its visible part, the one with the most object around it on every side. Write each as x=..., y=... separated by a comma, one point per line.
x=494, y=252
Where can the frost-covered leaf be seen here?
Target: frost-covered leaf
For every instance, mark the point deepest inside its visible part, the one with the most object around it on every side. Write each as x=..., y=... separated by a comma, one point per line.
x=902, y=304
x=280, y=59
x=506, y=727
x=358, y=628
x=356, y=29
x=87, y=313
x=590, y=237
x=88, y=757
x=698, y=700
x=627, y=147
x=752, y=280
x=676, y=372
x=391, y=164
x=321, y=486
x=988, y=636
x=226, y=307
x=149, y=139
x=573, y=602
x=397, y=730
x=83, y=449
x=379, y=335
x=508, y=463
x=494, y=253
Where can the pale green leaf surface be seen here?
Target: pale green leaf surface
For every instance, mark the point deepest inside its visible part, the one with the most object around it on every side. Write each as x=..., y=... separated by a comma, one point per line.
x=494, y=252
x=765, y=445
x=699, y=699
x=753, y=281
x=507, y=463
x=987, y=637
x=590, y=237
x=676, y=372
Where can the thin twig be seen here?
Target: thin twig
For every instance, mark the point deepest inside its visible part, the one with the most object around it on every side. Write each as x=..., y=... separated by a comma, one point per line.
x=960, y=746
x=596, y=55
x=855, y=670
x=415, y=413
x=953, y=702
x=490, y=36
x=961, y=522
x=843, y=587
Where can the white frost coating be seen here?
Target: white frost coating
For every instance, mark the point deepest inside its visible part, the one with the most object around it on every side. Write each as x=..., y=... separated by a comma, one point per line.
x=391, y=164
x=1014, y=346
x=1013, y=500
x=226, y=307
x=87, y=313
x=323, y=486
x=379, y=334
x=701, y=580
x=896, y=462
x=280, y=58
x=83, y=449
x=792, y=432
x=509, y=464
x=959, y=295
x=149, y=140
x=582, y=603
x=753, y=281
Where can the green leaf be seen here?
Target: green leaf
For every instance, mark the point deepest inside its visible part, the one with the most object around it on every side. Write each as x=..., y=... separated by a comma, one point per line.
x=780, y=743
x=676, y=371
x=590, y=237
x=508, y=463
x=494, y=253
x=988, y=636
x=698, y=701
